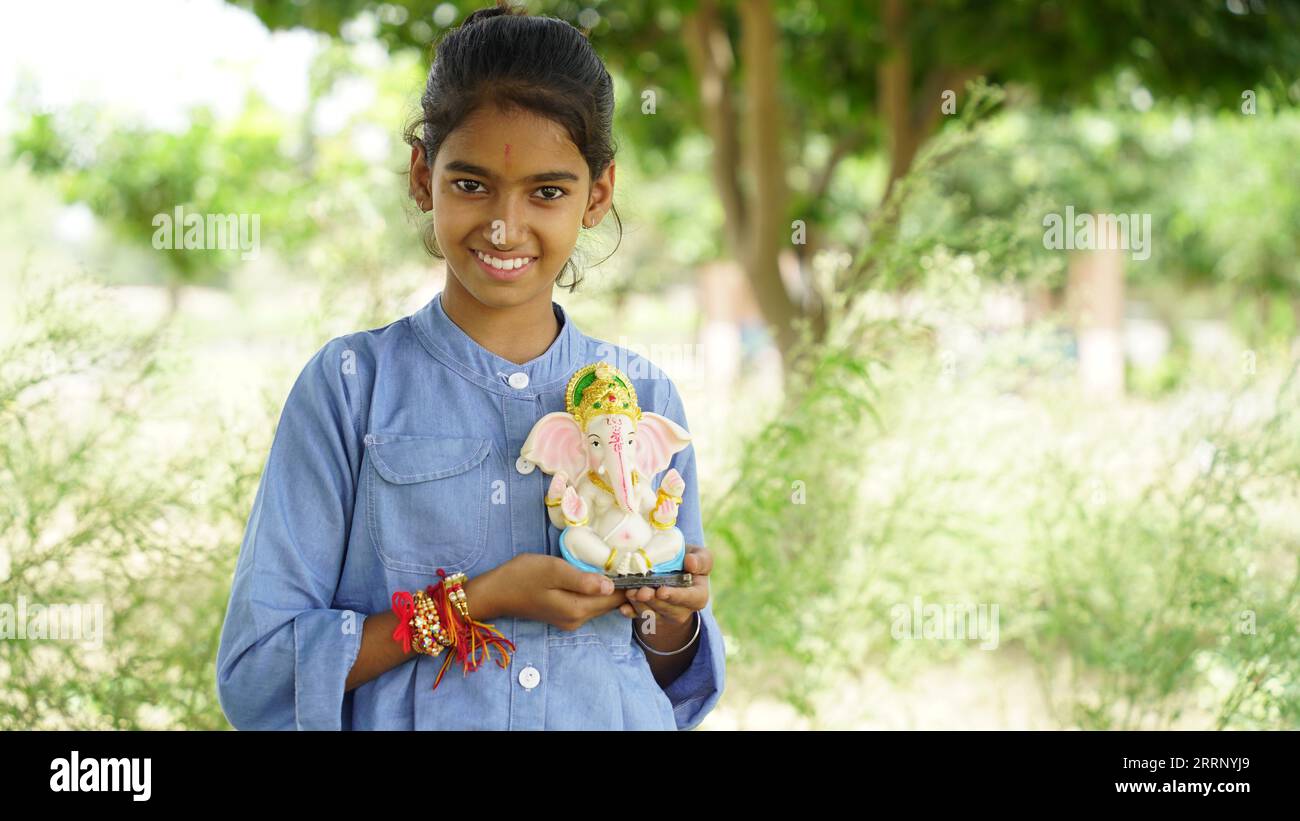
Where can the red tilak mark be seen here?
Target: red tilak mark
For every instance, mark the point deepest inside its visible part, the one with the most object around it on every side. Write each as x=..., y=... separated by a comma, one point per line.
x=507, y=158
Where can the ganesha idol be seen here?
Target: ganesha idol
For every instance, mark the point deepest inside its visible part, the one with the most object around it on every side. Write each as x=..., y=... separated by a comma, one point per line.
x=603, y=451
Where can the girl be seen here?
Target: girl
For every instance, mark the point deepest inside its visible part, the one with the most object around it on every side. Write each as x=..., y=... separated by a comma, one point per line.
x=397, y=451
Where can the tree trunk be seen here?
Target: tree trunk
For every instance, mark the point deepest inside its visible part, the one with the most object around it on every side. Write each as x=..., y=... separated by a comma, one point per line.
x=894, y=87
x=1095, y=299
x=712, y=61
x=768, y=231
x=174, y=287
x=755, y=220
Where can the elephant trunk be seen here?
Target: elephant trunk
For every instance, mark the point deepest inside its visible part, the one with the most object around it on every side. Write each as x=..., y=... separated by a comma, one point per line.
x=619, y=466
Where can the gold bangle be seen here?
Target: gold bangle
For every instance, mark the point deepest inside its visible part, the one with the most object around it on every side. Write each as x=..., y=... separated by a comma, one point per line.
x=570, y=523
x=655, y=522
x=556, y=503
x=610, y=561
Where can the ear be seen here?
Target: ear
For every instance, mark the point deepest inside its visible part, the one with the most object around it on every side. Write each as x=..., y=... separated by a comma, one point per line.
x=421, y=177
x=601, y=198
x=658, y=438
x=555, y=444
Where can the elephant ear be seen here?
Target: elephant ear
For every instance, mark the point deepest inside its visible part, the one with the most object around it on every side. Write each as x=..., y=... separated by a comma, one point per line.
x=555, y=444
x=657, y=439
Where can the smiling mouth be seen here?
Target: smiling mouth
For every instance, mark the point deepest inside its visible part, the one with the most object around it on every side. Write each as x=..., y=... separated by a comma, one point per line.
x=506, y=264
x=503, y=268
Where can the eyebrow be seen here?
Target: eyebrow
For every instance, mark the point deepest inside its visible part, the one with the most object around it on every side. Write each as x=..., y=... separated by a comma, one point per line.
x=480, y=171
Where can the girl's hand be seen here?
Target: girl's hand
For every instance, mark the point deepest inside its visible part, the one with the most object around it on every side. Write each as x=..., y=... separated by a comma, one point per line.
x=547, y=588
x=673, y=604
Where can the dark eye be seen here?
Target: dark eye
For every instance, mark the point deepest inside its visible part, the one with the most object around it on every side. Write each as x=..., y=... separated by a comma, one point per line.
x=561, y=193
x=595, y=444
x=471, y=182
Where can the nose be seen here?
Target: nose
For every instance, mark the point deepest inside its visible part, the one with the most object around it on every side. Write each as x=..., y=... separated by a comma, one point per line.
x=508, y=227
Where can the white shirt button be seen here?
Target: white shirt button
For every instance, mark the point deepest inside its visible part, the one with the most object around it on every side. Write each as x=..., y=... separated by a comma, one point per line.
x=518, y=380
x=529, y=677
x=524, y=466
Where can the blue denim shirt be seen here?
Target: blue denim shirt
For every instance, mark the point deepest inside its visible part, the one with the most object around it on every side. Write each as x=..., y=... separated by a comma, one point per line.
x=396, y=454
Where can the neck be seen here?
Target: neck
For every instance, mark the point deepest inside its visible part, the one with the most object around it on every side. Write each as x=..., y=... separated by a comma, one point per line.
x=517, y=333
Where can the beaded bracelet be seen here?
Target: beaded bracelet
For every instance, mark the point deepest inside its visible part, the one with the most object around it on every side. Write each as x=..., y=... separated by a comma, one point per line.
x=419, y=626
x=438, y=618
x=430, y=637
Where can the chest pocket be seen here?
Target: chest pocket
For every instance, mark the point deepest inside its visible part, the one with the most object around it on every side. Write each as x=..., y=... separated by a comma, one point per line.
x=427, y=503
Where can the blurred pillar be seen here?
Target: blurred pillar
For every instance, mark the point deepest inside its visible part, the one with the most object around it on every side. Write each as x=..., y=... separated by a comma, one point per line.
x=1095, y=301
x=720, y=285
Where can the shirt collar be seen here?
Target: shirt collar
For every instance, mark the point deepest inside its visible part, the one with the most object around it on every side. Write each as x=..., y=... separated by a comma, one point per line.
x=446, y=342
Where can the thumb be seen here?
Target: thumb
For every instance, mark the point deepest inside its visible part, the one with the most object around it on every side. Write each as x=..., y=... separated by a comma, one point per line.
x=591, y=584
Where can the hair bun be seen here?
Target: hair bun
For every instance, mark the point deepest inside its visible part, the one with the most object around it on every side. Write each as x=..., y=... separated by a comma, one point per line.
x=492, y=11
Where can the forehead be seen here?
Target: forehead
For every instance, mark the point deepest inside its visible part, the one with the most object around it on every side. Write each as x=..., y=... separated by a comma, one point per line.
x=611, y=421
x=513, y=143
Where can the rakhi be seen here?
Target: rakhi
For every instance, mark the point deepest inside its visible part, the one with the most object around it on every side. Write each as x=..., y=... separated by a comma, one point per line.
x=438, y=618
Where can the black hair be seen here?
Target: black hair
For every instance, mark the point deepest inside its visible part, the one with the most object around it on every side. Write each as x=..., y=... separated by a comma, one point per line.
x=503, y=56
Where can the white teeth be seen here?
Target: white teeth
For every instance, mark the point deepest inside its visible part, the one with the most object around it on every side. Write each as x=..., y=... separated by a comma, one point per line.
x=502, y=264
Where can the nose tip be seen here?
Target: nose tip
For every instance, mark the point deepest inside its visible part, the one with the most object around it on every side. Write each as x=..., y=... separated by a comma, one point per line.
x=505, y=232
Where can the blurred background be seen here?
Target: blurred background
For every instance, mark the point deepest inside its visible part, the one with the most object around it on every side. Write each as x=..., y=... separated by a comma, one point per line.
x=985, y=315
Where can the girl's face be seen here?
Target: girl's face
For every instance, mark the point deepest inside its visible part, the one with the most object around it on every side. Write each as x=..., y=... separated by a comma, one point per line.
x=514, y=187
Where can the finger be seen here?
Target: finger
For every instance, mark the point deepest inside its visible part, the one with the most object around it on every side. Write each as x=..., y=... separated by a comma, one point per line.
x=642, y=614
x=641, y=594
x=670, y=612
x=698, y=560
x=607, y=602
x=571, y=578
x=631, y=610
x=694, y=597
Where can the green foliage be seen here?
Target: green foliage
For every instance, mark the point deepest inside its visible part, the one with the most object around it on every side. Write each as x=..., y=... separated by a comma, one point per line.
x=1200, y=49
x=1177, y=587
x=784, y=535
x=1219, y=190
x=1121, y=563
x=95, y=517
x=829, y=58
x=128, y=174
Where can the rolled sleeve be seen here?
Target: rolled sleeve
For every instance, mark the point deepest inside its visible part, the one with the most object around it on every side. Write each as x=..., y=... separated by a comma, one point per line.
x=285, y=652
x=697, y=690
